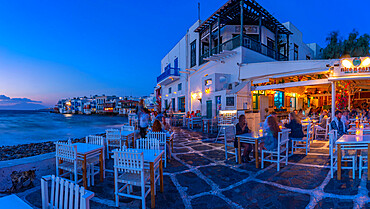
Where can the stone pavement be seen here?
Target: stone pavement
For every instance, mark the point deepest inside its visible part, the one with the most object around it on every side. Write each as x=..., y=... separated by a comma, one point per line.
x=198, y=176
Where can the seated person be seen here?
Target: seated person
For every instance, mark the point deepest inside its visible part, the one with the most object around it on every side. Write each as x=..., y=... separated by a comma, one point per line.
x=157, y=126
x=165, y=125
x=270, y=140
x=338, y=124
x=295, y=126
x=273, y=115
x=323, y=116
x=242, y=128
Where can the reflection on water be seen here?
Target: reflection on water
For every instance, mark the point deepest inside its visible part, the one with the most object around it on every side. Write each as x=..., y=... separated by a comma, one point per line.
x=21, y=127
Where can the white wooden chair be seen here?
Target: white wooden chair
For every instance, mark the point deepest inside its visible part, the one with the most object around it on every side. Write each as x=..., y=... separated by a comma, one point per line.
x=195, y=121
x=64, y=194
x=319, y=131
x=303, y=143
x=348, y=155
x=281, y=153
x=129, y=170
x=127, y=128
x=129, y=140
x=66, y=160
x=113, y=137
x=147, y=143
x=92, y=161
x=162, y=138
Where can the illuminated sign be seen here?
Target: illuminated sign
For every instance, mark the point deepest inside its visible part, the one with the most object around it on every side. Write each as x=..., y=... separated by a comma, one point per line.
x=353, y=67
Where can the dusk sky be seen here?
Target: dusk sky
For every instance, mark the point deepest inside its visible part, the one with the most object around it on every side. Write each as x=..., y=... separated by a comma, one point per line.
x=57, y=49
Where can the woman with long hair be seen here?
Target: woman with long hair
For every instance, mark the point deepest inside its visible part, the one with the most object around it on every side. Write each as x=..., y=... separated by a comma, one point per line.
x=295, y=126
x=270, y=141
x=157, y=126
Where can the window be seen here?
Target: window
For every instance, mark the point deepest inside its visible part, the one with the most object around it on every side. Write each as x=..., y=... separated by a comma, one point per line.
x=173, y=104
x=295, y=52
x=230, y=101
x=165, y=104
x=308, y=57
x=208, y=82
x=193, y=53
x=176, y=63
x=179, y=87
x=169, y=90
x=279, y=99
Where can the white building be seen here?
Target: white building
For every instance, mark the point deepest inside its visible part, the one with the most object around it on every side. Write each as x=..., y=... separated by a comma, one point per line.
x=203, y=71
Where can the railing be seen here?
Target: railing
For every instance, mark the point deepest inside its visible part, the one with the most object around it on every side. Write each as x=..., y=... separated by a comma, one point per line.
x=248, y=43
x=167, y=73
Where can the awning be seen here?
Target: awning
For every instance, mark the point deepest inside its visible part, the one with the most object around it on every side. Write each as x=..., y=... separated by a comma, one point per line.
x=292, y=84
x=360, y=77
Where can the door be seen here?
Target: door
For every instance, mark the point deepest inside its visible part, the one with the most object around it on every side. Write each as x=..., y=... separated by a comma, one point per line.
x=209, y=109
x=173, y=104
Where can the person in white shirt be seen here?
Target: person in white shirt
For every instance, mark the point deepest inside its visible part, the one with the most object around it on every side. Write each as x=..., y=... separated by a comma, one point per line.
x=345, y=118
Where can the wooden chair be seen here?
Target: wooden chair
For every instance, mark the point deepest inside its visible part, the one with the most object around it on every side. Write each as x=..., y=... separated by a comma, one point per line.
x=66, y=160
x=281, y=153
x=64, y=194
x=303, y=143
x=195, y=121
x=93, y=160
x=129, y=170
x=162, y=138
x=319, y=131
x=113, y=137
x=129, y=140
x=348, y=155
x=148, y=143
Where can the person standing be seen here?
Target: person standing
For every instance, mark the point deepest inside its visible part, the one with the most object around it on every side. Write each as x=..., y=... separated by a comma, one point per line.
x=144, y=122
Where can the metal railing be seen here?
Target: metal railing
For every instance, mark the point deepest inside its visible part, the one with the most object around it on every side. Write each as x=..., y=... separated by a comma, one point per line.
x=167, y=73
x=248, y=43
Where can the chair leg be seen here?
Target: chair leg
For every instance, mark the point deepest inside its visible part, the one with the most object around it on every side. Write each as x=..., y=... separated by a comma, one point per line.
x=331, y=167
x=116, y=188
x=88, y=175
x=360, y=167
x=286, y=153
x=278, y=162
x=353, y=167
x=225, y=149
x=262, y=157
x=236, y=155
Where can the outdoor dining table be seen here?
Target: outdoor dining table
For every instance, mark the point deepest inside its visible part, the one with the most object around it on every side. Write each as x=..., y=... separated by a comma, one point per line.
x=153, y=157
x=84, y=151
x=13, y=201
x=126, y=135
x=250, y=138
x=353, y=130
x=351, y=140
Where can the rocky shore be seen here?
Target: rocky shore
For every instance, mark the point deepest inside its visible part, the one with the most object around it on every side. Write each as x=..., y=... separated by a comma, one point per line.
x=28, y=150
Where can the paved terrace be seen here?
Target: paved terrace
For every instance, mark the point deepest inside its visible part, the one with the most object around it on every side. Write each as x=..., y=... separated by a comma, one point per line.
x=199, y=177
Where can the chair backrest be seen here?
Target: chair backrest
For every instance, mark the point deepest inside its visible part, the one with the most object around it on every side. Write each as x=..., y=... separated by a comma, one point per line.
x=66, y=152
x=113, y=134
x=147, y=143
x=327, y=124
x=332, y=139
x=128, y=160
x=93, y=139
x=160, y=136
x=64, y=194
x=127, y=128
x=283, y=136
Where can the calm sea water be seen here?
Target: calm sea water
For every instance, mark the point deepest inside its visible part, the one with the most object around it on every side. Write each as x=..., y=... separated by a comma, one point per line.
x=22, y=127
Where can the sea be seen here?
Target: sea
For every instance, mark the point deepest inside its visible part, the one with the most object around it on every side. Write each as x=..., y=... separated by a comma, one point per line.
x=26, y=126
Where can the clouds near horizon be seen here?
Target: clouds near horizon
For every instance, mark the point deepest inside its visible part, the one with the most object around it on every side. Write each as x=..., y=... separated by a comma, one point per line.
x=7, y=103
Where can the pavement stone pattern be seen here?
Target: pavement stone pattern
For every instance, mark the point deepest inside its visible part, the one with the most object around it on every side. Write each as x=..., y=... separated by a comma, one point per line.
x=199, y=176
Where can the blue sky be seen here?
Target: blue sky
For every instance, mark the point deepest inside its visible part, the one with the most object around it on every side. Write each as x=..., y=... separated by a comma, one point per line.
x=55, y=49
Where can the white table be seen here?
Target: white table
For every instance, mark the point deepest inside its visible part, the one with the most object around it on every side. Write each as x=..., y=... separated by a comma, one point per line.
x=250, y=138
x=126, y=135
x=13, y=201
x=153, y=157
x=351, y=140
x=84, y=151
x=353, y=130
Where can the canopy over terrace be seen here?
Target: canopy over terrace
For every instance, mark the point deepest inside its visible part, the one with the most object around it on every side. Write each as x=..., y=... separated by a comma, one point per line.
x=311, y=81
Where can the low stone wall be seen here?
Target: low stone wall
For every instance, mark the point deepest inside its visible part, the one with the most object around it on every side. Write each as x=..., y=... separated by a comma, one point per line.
x=41, y=164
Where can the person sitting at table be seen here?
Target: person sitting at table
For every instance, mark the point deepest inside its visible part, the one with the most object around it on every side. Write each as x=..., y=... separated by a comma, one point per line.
x=270, y=140
x=295, y=126
x=345, y=118
x=192, y=114
x=242, y=128
x=265, y=125
x=165, y=125
x=157, y=126
x=300, y=114
x=338, y=124
x=323, y=117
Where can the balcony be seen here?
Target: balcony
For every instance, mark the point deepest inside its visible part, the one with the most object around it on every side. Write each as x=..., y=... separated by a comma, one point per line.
x=248, y=43
x=168, y=76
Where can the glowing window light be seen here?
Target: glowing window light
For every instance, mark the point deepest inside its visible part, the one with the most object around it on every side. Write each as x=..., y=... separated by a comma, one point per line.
x=346, y=63
x=200, y=95
x=208, y=91
x=366, y=62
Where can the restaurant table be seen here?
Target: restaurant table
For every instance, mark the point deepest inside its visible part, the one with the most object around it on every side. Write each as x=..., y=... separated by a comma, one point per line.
x=126, y=135
x=153, y=157
x=352, y=130
x=13, y=201
x=84, y=151
x=351, y=140
x=250, y=138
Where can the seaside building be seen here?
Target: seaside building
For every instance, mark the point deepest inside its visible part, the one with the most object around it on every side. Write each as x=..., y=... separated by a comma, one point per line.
x=203, y=70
